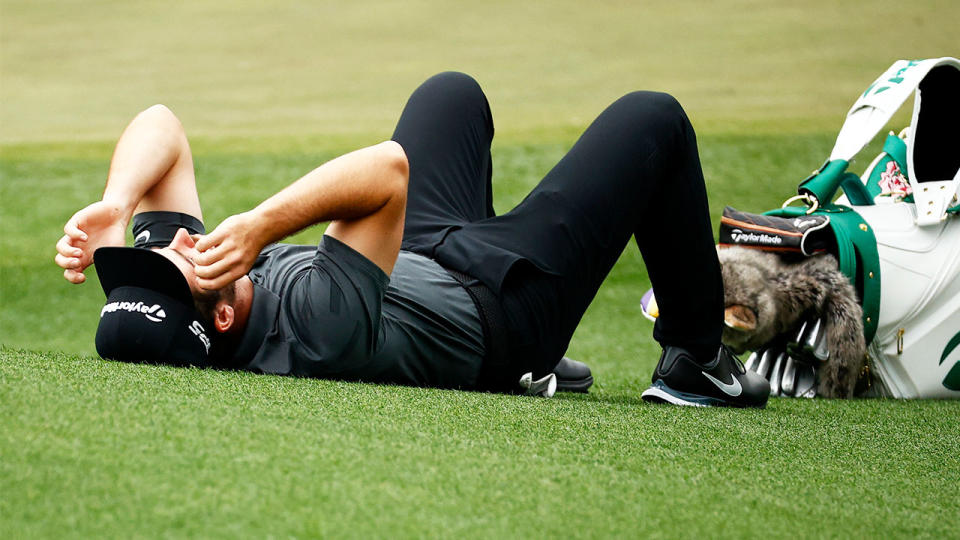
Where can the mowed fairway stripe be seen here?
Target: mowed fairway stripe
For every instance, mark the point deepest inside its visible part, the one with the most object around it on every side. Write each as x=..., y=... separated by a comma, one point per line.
x=79, y=71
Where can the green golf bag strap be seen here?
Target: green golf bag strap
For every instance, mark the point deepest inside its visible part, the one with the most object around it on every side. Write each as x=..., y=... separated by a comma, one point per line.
x=821, y=187
x=856, y=254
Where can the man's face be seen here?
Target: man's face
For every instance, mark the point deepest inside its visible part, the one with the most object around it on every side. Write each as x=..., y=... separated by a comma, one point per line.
x=183, y=251
x=215, y=305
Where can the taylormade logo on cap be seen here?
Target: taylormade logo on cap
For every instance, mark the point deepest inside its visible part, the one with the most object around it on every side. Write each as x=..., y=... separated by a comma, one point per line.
x=153, y=313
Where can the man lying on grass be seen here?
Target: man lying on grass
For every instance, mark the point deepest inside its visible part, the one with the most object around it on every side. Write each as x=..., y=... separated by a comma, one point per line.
x=416, y=281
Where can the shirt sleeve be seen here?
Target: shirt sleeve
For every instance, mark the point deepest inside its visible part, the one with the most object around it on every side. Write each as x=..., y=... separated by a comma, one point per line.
x=333, y=313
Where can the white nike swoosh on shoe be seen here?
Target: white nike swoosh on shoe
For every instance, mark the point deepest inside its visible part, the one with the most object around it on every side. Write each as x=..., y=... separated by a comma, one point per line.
x=733, y=390
x=145, y=235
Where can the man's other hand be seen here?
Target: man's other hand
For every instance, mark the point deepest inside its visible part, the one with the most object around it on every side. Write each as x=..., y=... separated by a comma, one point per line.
x=98, y=225
x=229, y=251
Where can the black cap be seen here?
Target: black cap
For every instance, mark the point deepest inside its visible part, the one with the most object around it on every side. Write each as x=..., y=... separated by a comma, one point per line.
x=149, y=315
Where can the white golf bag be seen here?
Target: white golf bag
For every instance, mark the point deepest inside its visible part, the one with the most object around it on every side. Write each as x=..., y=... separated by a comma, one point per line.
x=909, y=198
x=897, y=233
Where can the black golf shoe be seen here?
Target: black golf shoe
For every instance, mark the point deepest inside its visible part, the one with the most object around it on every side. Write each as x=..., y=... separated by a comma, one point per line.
x=679, y=379
x=573, y=376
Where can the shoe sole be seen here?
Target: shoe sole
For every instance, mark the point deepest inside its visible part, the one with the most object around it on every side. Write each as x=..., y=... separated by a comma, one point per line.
x=575, y=385
x=659, y=392
x=664, y=394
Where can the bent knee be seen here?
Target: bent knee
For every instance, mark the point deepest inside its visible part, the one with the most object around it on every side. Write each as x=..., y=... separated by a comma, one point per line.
x=652, y=110
x=653, y=103
x=454, y=80
x=452, y=87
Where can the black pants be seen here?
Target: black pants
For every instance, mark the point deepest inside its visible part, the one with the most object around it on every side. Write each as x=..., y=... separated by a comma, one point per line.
x=634, y=172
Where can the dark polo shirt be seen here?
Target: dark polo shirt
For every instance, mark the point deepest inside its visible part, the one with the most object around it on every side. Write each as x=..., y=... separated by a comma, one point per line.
x=329, y=312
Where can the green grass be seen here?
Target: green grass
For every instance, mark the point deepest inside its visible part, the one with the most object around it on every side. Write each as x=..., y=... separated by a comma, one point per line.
x=267, y=91
x=96, y=448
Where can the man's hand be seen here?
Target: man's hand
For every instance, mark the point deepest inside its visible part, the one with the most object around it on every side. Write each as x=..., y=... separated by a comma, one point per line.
x=229, y=251
x=98, y=225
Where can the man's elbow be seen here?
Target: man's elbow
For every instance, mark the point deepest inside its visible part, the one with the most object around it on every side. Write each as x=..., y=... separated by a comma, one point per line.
x=160, y=119
x=160, y=114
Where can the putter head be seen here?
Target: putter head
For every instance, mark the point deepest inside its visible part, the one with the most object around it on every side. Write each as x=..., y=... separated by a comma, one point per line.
x=546, y=386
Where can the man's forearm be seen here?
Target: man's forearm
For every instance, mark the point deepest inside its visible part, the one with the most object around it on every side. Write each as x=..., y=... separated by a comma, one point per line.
x=363, y=194
x=350, y=187
x=151, y=169
x=150, y=161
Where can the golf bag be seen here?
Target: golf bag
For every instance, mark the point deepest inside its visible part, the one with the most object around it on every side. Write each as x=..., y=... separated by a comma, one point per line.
x=896, y=234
